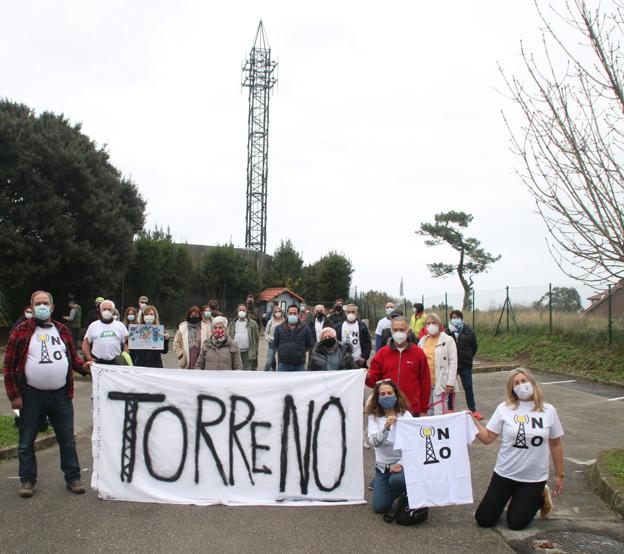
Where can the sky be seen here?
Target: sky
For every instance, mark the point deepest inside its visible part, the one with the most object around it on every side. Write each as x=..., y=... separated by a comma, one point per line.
x=383, y=115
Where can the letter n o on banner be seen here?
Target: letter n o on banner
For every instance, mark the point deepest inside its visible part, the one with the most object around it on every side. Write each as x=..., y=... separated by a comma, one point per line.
x=148, y=428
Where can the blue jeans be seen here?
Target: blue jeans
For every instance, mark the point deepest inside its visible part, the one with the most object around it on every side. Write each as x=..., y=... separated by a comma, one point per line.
x=60, y=412
x=270, y=357
x=290, y=367
x=465, y=374
x=386, y=489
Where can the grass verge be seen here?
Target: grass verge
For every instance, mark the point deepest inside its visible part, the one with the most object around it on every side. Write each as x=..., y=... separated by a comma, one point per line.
x=9, y=433
x=615, y=463
x=572, y=354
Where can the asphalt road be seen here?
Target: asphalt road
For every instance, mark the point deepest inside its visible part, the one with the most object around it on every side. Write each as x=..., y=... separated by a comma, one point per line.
x=57, y=521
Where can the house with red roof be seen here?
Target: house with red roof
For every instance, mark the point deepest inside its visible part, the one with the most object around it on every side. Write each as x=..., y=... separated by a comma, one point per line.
x=282, y=295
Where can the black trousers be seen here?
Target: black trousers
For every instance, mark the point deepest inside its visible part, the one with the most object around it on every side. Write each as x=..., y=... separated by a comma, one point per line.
x=526, y=499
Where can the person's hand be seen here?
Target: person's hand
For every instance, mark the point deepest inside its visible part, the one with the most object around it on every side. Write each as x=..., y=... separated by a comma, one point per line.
x=423, y=414
x=558, y=486
x=86, y=367
x=17, y=403
x=166, y=336
x=390, y=422
x=449, y=389
x=396, y=468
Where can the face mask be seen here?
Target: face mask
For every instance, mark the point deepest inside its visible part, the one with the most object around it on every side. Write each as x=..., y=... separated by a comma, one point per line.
x=338, y=307
x=28, y=315
x=42, y=312
x=399, y=337
x=319, y=316
x=433, y=328
x=194, y=319
x=457, y=322
x=207, y=313
x=524, y=391
x=131, y=317
x=142, y=305
x=107, y=315
x=218, y=333
x=389, y=311
x=351, y=318
x=242, y=314
x=277, y=314
x=292, y=319
x=149, y=319
x=387, y=402
x=329, y=343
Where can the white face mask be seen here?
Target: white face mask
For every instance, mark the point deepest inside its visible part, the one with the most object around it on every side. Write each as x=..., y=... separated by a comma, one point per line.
x=351, y=318
x=242, y=314
x=389, y=311
x=399, y=337
x=433, y=328
x=107, y=315
x=524, y=391
x=207, y=314
x=142, y=305
x=149, y=319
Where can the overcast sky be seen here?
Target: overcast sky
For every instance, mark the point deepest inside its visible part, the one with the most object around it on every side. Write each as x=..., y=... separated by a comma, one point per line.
x=384, y=115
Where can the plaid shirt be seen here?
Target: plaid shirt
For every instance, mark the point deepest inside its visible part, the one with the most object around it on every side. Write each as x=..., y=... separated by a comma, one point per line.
x=17, y=353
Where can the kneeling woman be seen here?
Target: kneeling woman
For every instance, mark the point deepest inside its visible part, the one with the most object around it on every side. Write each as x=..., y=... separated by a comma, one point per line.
x=385, y=405
x=530, y=430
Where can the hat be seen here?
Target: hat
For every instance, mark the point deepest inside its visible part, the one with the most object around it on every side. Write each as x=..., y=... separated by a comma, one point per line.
x=220, y=319
x=396, y=313
x=99, y=299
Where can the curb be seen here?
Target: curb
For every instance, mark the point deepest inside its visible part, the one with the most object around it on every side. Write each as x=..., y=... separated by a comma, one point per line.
x=605, y=485
x=8, y=452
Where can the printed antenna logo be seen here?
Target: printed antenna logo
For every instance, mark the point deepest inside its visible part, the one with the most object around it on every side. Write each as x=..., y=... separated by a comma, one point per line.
x=430, y=456
x=45, y=355
x=521, y=437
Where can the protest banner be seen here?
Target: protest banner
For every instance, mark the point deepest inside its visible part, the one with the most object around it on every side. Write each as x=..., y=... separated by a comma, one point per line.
x=227, y=437
x=146, y=337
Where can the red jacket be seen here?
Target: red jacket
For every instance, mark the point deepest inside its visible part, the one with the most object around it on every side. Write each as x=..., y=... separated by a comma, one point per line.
x=408, y=369
x=17, y=352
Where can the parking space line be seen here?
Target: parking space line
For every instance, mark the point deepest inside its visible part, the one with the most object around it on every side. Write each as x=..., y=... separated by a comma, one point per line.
x=618, y=398
x=559, y=382
x=579, y=462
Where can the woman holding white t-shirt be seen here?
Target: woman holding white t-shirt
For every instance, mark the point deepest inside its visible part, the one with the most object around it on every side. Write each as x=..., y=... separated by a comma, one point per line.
x=386, y=404
x=530, y=430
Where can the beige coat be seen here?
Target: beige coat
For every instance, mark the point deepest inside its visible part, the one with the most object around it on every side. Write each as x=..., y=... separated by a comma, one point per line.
x=445, y=362
x=227, y=356
x=181, y=344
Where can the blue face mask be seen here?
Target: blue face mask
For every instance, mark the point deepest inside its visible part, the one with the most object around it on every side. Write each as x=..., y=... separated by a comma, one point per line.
x=457, y=323
x=42, y=312
x=387, y=402
x=292, y=319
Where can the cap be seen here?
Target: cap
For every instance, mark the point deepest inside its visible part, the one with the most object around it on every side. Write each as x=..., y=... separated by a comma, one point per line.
x=100, y=299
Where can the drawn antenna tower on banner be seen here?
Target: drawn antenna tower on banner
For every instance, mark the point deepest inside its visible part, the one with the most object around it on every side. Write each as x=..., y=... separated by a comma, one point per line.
x=259, y=76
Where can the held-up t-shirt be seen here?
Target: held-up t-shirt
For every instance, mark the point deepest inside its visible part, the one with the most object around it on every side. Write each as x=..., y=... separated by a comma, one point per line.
x=351, y=335
x=106, y=339
x=435, y=458
x=524, y=451
x=46, y=362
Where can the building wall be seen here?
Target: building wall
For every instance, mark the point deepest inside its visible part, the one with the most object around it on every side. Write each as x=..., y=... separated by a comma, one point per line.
x=617, y=306
x=284, y=300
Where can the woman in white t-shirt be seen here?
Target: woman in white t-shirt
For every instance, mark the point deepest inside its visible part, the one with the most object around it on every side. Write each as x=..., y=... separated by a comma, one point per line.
x=385, y=405
x=530, y=431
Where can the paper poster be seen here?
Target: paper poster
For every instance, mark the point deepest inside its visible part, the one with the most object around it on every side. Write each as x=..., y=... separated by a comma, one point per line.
x=146, y=337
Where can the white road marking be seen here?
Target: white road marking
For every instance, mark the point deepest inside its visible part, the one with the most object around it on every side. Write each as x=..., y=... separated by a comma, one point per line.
x=579, y=462
x=559, y=382
x=618, y=398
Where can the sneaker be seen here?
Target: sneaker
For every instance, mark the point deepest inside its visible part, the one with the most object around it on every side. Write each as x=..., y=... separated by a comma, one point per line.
x=477, y=415
x=76, y=487
x=371, y=485
x=548, y=503
x=27, y=490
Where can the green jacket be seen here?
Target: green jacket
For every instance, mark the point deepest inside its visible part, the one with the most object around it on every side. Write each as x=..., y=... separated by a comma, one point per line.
x=254, y=336
x=76, y=322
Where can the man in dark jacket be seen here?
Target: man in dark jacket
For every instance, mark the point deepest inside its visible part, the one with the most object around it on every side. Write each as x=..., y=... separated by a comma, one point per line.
x=291, y=341
x=356, y=333
x=319, y=322
x=328, y=354
x=338, y=315
x=466, y=349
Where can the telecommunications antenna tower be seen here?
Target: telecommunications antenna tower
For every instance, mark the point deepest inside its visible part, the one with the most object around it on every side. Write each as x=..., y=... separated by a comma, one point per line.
x=259, y=76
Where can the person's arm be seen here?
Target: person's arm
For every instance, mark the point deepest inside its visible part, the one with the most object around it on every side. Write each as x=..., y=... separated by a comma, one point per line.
x=451, y=354
x=10, y=371
x=375, y=370
x=425, y=382
x=377, y=342
x=366, y=342
x=86, y=347
x=165, y=344
x=276, y=337
x=309, y=343
x=377, y=434
x=484, y=435
x=267, y=330
x=199, y=364
x=255, y=334
x=177, y=344
x=237, y=362
x=556, y=451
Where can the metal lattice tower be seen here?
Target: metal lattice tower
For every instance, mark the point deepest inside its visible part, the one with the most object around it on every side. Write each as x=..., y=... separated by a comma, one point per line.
x=259, y=76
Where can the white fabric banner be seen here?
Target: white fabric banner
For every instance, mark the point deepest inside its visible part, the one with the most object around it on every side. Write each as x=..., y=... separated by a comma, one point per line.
x=227, y=437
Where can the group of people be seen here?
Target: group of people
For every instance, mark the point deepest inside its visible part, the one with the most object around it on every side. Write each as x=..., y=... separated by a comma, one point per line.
x=413, y=373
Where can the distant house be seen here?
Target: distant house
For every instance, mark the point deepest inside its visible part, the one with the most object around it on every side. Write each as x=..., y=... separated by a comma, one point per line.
x=599, y=306
x=283, y=296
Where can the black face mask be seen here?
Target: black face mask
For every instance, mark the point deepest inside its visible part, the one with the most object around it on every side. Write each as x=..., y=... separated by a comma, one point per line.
x=329, y=343
x=319, y=316
x=194, y=319
x=339, y=308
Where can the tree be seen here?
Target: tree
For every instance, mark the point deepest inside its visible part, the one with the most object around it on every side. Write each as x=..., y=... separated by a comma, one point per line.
x=473, y=259
x=68, y=217
x=570, y=141
x=228, y=275
x=564, y=299
x=327, y=279
x=160, y=269
x=286, y=267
